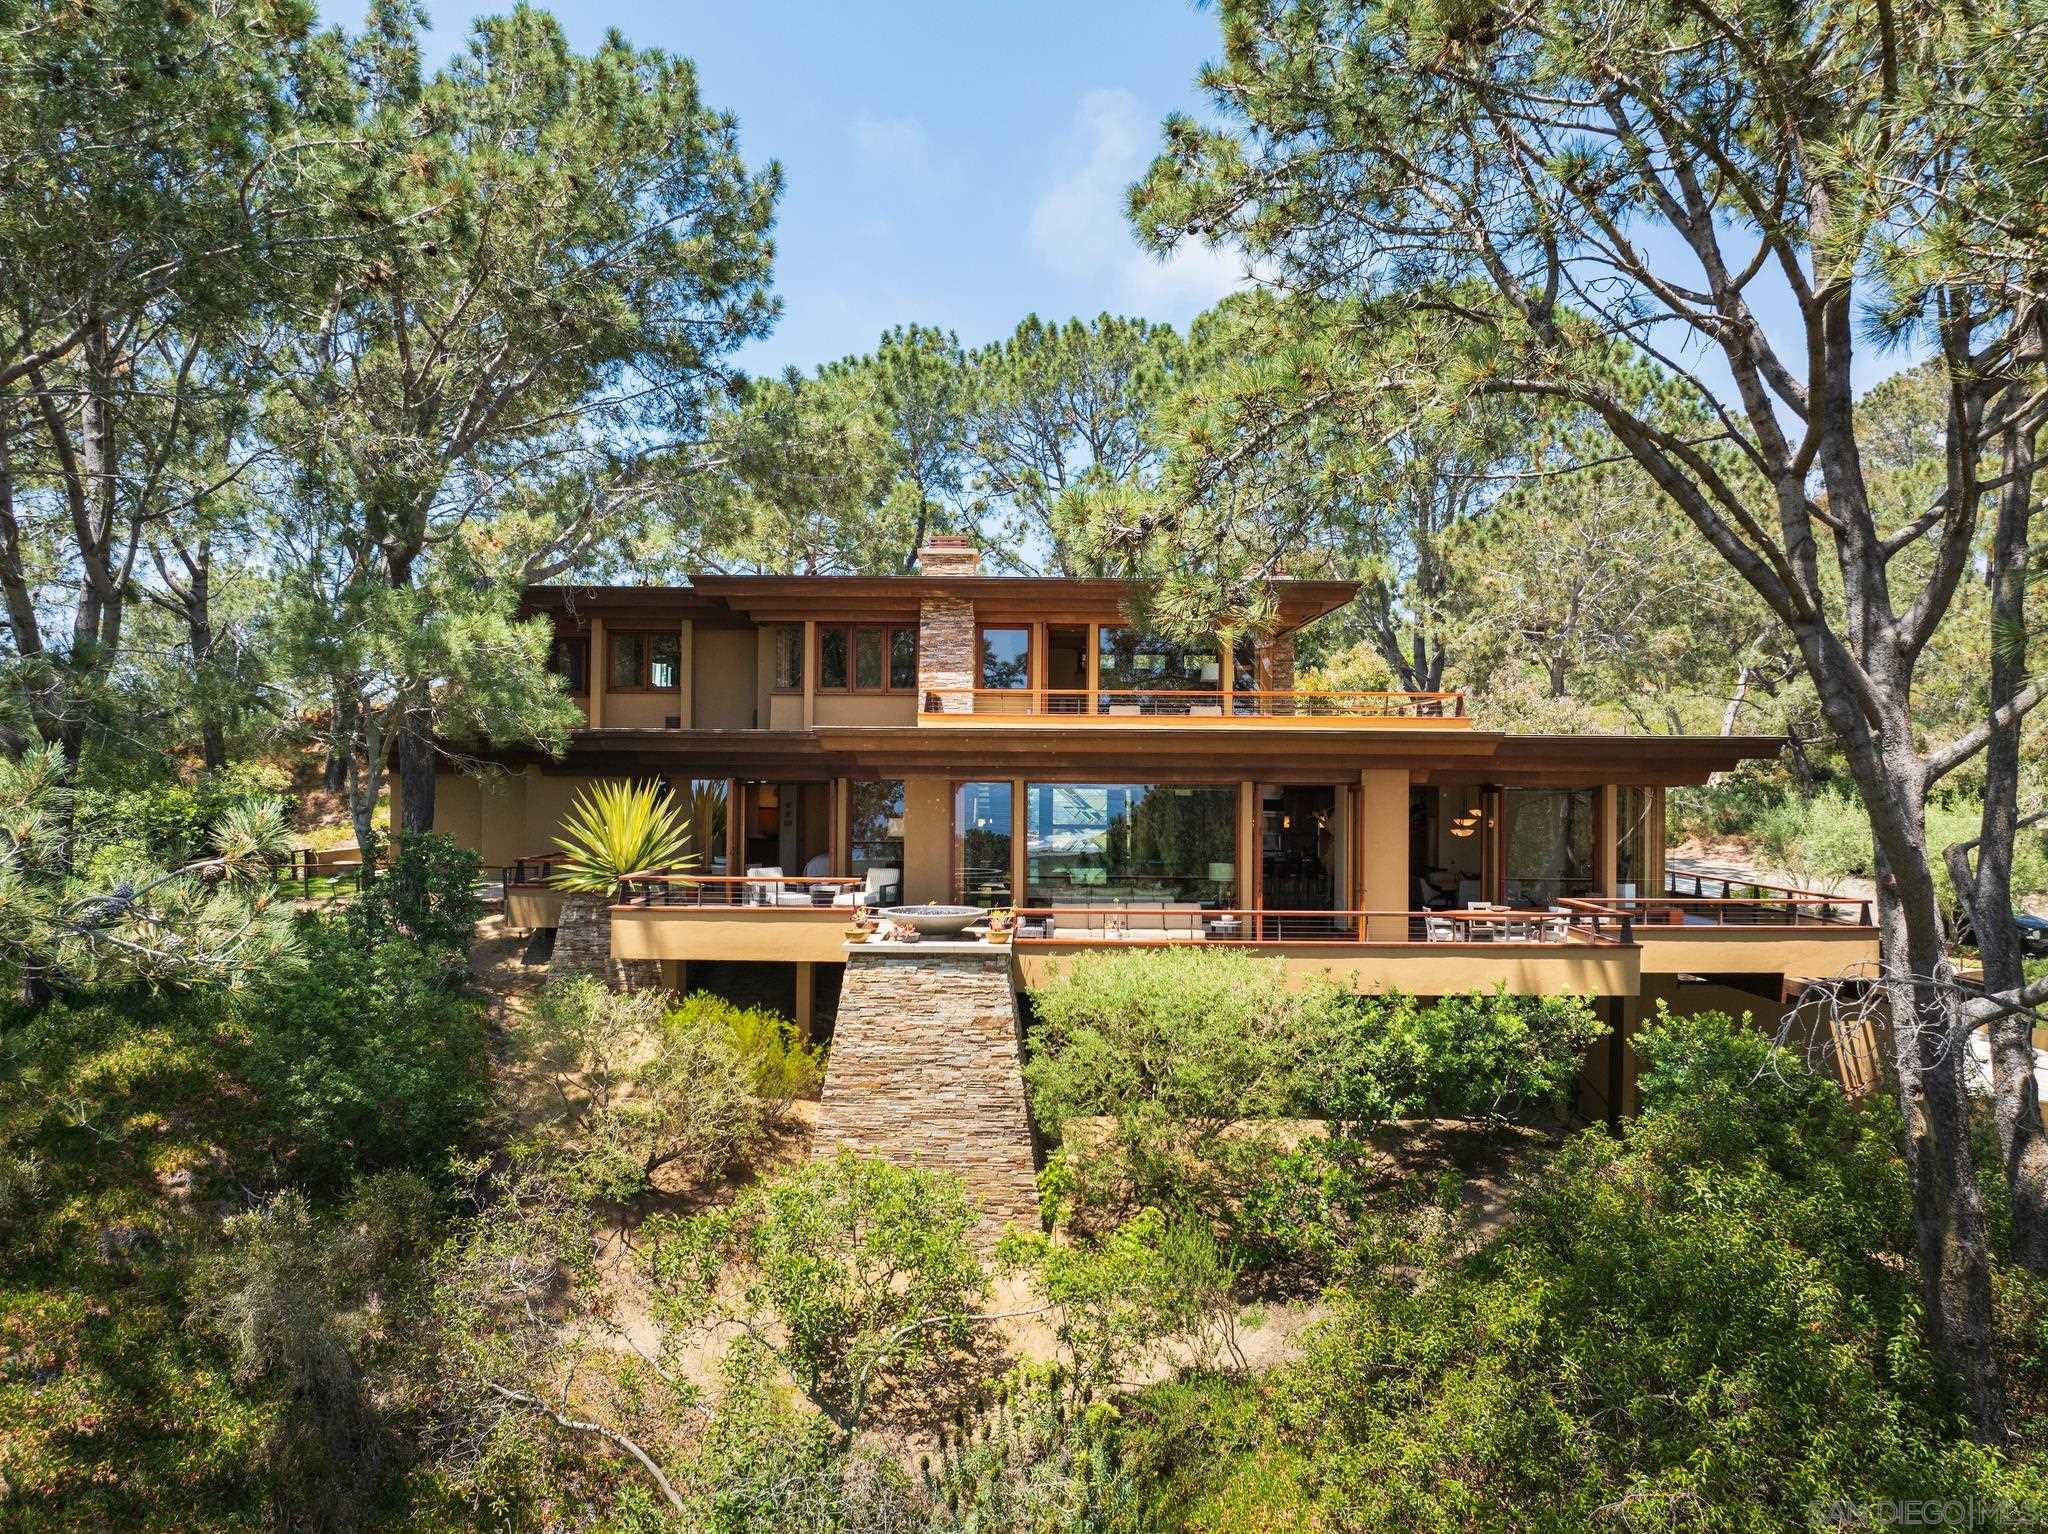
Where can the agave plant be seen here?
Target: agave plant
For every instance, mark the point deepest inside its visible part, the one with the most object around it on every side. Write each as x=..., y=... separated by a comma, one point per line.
x=616, y=830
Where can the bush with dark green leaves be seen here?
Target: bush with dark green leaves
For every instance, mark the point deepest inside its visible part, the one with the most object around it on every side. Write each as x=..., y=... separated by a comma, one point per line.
x=425, y=895
x=364, y=1059
x=1712, y=1322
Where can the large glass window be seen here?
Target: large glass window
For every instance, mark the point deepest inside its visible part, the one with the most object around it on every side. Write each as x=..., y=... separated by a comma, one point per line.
x=867, y=660
x=832, y=649
x=1006, y=658
x=874, y=824
x=902, y=659
x=1132, y=667
x=981, y=843
x=1131, y=843
x=1550, y=841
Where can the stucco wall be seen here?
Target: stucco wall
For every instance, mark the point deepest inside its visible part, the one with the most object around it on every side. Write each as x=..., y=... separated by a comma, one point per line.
x=723, y=665
x=927, y=839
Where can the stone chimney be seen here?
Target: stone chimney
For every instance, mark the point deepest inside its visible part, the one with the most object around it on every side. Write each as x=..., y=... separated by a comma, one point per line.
x=948, y=554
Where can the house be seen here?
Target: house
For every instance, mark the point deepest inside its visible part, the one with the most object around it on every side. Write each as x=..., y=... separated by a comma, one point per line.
x=953, y=737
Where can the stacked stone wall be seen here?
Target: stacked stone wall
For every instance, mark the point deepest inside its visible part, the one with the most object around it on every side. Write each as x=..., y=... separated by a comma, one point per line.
x=926, y=1070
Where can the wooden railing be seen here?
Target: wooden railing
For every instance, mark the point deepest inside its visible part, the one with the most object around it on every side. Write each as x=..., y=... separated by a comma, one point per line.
x=1174, y=703
x=534, y=868
x=736, y=891
x=1167, y=924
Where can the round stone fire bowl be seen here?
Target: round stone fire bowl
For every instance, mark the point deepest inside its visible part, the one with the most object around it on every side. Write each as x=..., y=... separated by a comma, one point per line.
x=936, y=920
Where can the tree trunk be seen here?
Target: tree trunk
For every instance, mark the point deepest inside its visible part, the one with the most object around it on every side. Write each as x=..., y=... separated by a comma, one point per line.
x=415, y=810
x=1928, y=1047
x=2016, y=1099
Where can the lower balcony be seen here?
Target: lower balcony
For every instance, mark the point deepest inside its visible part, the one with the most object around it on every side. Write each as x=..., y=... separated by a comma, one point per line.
x=1766, y=930
x=1425, y=953
x=755, y=918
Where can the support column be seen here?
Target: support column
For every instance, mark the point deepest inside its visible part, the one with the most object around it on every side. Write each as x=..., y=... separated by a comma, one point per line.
x=811, y=673
x=1383, y=863
x=686, y=675
x=806, y=987
x=1606, y=843
x=735, y=827
x=600, y=672
x=1248, y=849
x=1019, y=845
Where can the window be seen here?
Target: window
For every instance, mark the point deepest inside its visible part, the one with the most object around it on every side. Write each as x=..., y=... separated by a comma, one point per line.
x=1131, y=843
x=789, y=657
x=981, y=843
x=877, y=659
x=1130, y=661
x=645, y=662
x=867, y=660
x=569, y=659
x=1005, y=658
x=874, y=824
x=1549, y=844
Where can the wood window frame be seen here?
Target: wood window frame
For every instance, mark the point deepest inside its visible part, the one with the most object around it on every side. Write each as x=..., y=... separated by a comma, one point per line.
x=573, y=642
x=850, y=631
x=646, y=682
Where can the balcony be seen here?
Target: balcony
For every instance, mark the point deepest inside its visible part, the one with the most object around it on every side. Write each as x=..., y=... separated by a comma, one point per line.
x=1424, y=953
x=748, y=918
x=1769, y=929
x=1178, y=708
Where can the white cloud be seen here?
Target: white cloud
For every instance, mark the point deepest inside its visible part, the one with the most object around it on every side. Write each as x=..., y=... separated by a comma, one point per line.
x=897, y=140
x=1078, y=227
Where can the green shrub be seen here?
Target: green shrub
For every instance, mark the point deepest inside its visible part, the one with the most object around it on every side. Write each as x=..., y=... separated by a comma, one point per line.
x=780, y=1067
x=1711, y=1323
x=427, y=895
x=364, y=1058
x=634, y=1090
x=173, y=823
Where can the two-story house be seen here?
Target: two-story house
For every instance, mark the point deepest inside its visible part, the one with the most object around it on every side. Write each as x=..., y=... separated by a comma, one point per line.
x=954, y=737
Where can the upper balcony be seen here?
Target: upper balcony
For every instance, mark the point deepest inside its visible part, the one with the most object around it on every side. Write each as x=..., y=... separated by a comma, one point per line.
x=1123, y=707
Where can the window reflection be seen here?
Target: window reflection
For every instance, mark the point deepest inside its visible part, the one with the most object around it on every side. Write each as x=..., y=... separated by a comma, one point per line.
x=981, y=843
x=1135, y=843
x=1549, y=844
x=1006, y=658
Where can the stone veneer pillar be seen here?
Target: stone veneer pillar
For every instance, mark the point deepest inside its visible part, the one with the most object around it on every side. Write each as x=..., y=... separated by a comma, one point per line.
x=1273, y=662
x=926, y=1070
x=945, y=627
x=945, y=654
x=583, y=946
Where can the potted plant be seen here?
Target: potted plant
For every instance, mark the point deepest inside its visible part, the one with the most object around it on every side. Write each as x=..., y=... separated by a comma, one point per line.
x=1000, y=921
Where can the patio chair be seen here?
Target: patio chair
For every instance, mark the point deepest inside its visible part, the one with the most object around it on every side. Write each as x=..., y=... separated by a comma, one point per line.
x=1439, y=929
x=884, y=886
x=771, y=891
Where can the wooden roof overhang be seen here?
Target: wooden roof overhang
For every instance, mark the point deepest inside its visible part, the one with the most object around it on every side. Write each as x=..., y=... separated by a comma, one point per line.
x=1293, y=755
x=899, y=598
x=1565, y=761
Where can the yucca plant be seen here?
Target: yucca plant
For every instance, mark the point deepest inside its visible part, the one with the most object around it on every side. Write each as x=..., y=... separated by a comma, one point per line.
x=615, y=830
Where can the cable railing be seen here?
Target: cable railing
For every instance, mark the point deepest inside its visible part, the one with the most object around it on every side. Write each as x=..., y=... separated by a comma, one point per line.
x=1178, y=703
x=1169, y=924
x=740, y=891
x=1768, y=906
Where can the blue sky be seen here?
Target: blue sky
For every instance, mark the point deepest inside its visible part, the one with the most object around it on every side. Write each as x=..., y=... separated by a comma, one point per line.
x=959, y=165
